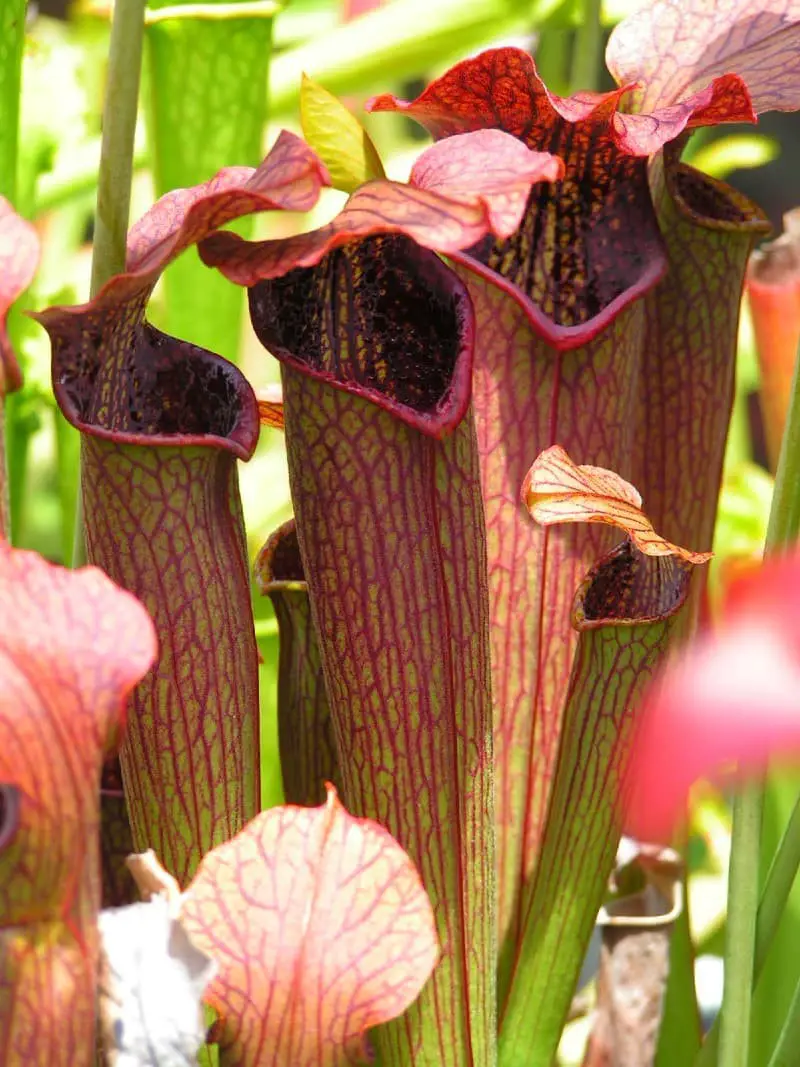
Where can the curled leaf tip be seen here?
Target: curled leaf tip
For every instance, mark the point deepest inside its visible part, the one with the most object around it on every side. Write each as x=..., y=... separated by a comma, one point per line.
x=270, y=407
x=557, y=490
x=114, y=373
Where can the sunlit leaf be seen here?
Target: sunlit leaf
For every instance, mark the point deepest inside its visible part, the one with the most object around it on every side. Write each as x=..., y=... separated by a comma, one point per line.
x=321, y=928
x=672, y=49
x=270, y=406
x=477, y=94
x=557, y=490
x=338, y=138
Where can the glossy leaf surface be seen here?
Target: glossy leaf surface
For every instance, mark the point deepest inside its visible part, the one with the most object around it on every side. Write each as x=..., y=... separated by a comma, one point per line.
x=321, y=929
x=163, y=424
x=338, y=138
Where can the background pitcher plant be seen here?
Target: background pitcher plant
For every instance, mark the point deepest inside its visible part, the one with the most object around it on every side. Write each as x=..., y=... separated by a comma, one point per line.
x=327, y=756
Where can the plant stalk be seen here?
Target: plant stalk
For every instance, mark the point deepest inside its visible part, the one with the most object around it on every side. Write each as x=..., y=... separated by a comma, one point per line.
x=785, y=1054
x=12, y=36
x=116, y=169
x=777, y=887
x=734, y=1039
x=740, y=943
x=585, y=72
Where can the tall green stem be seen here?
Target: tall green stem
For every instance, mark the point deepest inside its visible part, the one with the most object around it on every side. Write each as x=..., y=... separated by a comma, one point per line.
x=777, y=887
x=116, y=151
x=784, y=517
x=585, y=71
x=740, y=944
x=12, y=35
x=116, y=167
x=785, y=1054
x=734, y=1039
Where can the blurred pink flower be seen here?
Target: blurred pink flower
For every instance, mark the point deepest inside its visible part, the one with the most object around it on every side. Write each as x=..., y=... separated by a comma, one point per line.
x=725, y=706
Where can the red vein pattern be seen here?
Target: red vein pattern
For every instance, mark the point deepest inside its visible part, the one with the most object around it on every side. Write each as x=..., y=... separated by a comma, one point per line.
x=687, y=375
x=773, y=291
x=72, y=646
x=321, y=929
x=305, y=728
x=669, y=49
x=624, y=611
x=528, y=397
x=500, y=89
x=390, y=529
x=163, y=423
x=564, y=349
x=19, y=256
x=376, y=342
x=191, y=757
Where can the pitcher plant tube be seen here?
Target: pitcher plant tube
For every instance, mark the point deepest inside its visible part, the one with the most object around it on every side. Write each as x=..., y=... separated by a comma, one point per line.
x=163, y=424
x=375, y=336
x=607, y=323
x=280, y=303
x=482, y=655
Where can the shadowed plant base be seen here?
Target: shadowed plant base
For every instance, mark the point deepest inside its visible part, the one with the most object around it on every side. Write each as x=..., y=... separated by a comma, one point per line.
x=305, y=730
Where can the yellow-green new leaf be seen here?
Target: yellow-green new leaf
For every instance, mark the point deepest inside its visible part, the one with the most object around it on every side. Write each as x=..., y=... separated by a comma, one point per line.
x=338, y=138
